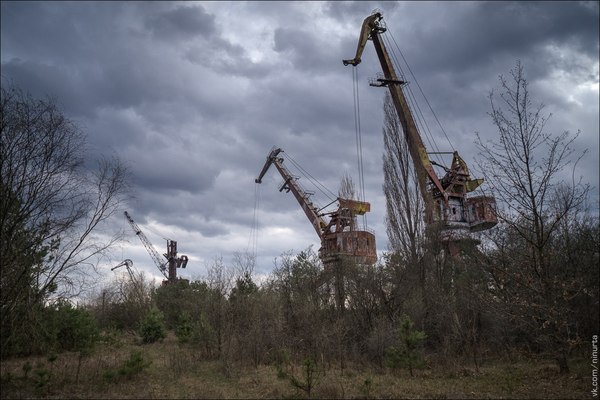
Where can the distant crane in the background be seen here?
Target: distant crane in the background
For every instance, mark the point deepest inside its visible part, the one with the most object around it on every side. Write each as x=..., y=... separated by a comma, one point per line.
x=136, y=291
x=172, y=261
x=127, y=264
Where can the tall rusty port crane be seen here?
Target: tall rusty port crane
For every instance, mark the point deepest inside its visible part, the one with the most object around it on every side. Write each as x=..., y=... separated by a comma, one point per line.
x=340, y=236
x=447, y=206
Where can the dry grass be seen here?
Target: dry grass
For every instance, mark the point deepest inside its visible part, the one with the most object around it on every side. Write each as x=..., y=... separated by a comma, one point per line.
x=178, y=372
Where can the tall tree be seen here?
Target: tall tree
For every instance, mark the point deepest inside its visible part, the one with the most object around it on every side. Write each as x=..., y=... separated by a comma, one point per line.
x=405, y=215
x=526, y=168
x=405, y=206
x=51, y=206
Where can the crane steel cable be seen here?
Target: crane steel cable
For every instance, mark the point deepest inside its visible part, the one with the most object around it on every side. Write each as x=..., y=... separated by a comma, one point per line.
x=318, y=185
x=358, y=134
x=413, y=104
x=423, y=94
x=147, y=228
x=253, y=239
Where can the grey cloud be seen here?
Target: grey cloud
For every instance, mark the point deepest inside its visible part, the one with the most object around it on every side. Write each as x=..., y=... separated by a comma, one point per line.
x=113, y=128
x=182, y=22
x=477, y=34
x=356, y=11
x=170, y=173
x=33, y=76
x=122, y=84
x=221, y=55
x=306, y=52
x=45, y=37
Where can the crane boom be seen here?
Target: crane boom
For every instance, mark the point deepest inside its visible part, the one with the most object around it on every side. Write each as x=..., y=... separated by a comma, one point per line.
x=291, y=185
x=151, y=250
x=128, y=265
x=445, y=199
x=365, y=32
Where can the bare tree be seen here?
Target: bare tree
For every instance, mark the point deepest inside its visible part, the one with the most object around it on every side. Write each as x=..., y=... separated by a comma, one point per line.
x=52, y=207
x=123, y=301
x=405, y=206
x=220, y=281
x=244, y=263
x=347, y=188
x=406, y=267
x=525, y=168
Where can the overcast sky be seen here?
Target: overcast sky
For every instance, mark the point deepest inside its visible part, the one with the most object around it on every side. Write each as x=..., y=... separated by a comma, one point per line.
x=193, y=95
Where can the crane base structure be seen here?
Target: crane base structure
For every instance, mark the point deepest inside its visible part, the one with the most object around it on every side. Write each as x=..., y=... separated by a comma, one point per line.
x=356, y=245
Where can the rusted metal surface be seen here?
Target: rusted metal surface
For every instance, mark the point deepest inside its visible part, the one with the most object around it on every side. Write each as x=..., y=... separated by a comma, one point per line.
x=358, y=207
x=482, y=213
x=358, y=245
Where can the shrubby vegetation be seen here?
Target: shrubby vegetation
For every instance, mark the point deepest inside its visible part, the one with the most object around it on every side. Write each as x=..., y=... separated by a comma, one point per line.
x=152, y=327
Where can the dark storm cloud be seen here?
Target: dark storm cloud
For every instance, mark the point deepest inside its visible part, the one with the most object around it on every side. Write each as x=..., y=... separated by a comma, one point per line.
x=34, y=27
x=182, y=22
x=354, y=12
x=84, y=88
x=76, y=58
x=36, y=75
x=480, y=33
x=171, y=173
x=299, y=51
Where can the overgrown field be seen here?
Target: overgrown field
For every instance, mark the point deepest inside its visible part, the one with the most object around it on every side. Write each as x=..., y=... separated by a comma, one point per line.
x=125, y=368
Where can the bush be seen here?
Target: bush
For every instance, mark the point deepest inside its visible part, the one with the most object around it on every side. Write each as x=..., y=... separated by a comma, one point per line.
x=408, y=353
x=76, y=328
x=153, y=326
x=133, y=366
x=311, y=375
x=204, y=335
x=185, y=328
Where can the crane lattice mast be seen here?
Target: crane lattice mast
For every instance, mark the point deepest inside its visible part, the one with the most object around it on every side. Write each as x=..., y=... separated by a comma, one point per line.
x=151, y=250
